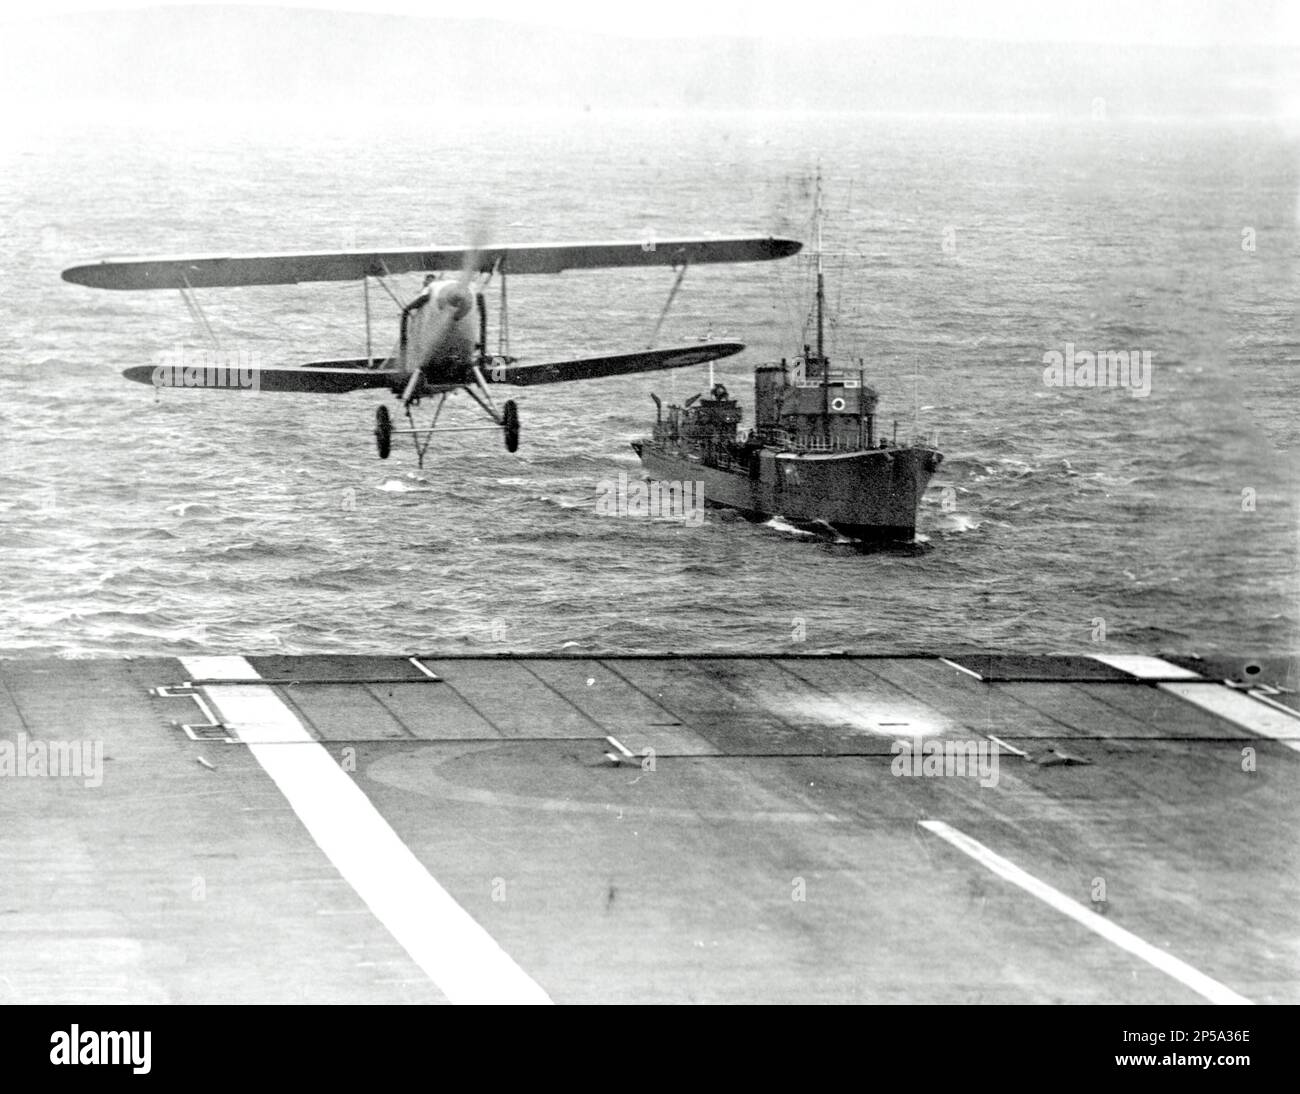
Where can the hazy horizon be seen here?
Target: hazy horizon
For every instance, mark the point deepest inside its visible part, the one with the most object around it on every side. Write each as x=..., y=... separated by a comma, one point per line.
x=1109, y=22
x=215, y=58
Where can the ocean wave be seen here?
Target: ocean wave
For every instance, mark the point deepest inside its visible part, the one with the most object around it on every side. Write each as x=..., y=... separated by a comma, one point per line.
x=131, y=524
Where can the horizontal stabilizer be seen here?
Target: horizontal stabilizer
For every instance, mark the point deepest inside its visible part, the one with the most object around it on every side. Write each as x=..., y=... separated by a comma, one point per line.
x=320, y=380
x=619, y=364
x=206, y=271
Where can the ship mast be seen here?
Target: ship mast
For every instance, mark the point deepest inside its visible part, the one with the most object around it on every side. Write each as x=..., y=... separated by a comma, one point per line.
x=821, y=286
x=821, y=305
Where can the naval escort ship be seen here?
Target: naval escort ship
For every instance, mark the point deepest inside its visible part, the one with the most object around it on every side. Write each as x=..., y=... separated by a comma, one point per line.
x=814, y=457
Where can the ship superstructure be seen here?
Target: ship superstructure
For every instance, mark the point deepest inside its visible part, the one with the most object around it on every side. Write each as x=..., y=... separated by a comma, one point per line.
x=815, y=455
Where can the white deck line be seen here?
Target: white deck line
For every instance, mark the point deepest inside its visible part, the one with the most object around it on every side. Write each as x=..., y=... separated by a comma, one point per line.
x=1145, y=667
x=619, y=745
x=1240, y=709
x=1264, y=697
x=458, y=955
x=1003, y=744
x=1181, y=971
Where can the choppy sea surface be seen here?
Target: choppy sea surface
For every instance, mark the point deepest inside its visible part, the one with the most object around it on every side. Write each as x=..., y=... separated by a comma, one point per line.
x=960, y=251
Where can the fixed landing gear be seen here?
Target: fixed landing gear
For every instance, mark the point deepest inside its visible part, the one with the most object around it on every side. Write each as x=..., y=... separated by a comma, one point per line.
x=506, y=420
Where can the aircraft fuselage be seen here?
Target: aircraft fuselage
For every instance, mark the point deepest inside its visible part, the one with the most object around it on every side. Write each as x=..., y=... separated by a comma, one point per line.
x=441, y=332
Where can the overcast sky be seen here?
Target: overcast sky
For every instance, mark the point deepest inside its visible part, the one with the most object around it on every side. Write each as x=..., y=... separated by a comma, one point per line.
x=1168, y=22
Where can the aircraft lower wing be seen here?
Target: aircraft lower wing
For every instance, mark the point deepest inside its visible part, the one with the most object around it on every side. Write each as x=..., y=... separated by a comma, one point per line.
x=619, y=364
x=320, y=380
x=358, y=374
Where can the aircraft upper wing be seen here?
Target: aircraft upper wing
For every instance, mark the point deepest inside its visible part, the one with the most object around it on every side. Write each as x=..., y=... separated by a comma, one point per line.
x=207, y=271
x=618, y=364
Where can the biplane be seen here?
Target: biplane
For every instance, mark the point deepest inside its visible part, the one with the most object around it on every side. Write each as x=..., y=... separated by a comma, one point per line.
x=442, y=338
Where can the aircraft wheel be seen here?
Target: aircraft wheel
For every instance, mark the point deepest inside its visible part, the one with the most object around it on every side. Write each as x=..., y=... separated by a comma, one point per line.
x=383, y=432
x=510, y=425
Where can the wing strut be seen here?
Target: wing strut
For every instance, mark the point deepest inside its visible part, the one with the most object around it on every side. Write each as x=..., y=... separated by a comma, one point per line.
x=365, y=289
x=503, y=321
x=380, y=278
x=672, y=295
x=196, y=313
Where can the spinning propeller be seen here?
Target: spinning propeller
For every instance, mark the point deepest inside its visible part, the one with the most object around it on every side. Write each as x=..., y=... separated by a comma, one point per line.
x=452, y=307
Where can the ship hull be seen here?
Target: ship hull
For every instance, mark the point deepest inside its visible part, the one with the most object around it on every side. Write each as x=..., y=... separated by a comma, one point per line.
x=870, y=495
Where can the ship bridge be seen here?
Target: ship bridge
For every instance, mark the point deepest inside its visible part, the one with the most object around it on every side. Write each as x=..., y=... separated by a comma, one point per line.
x=807, y=403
